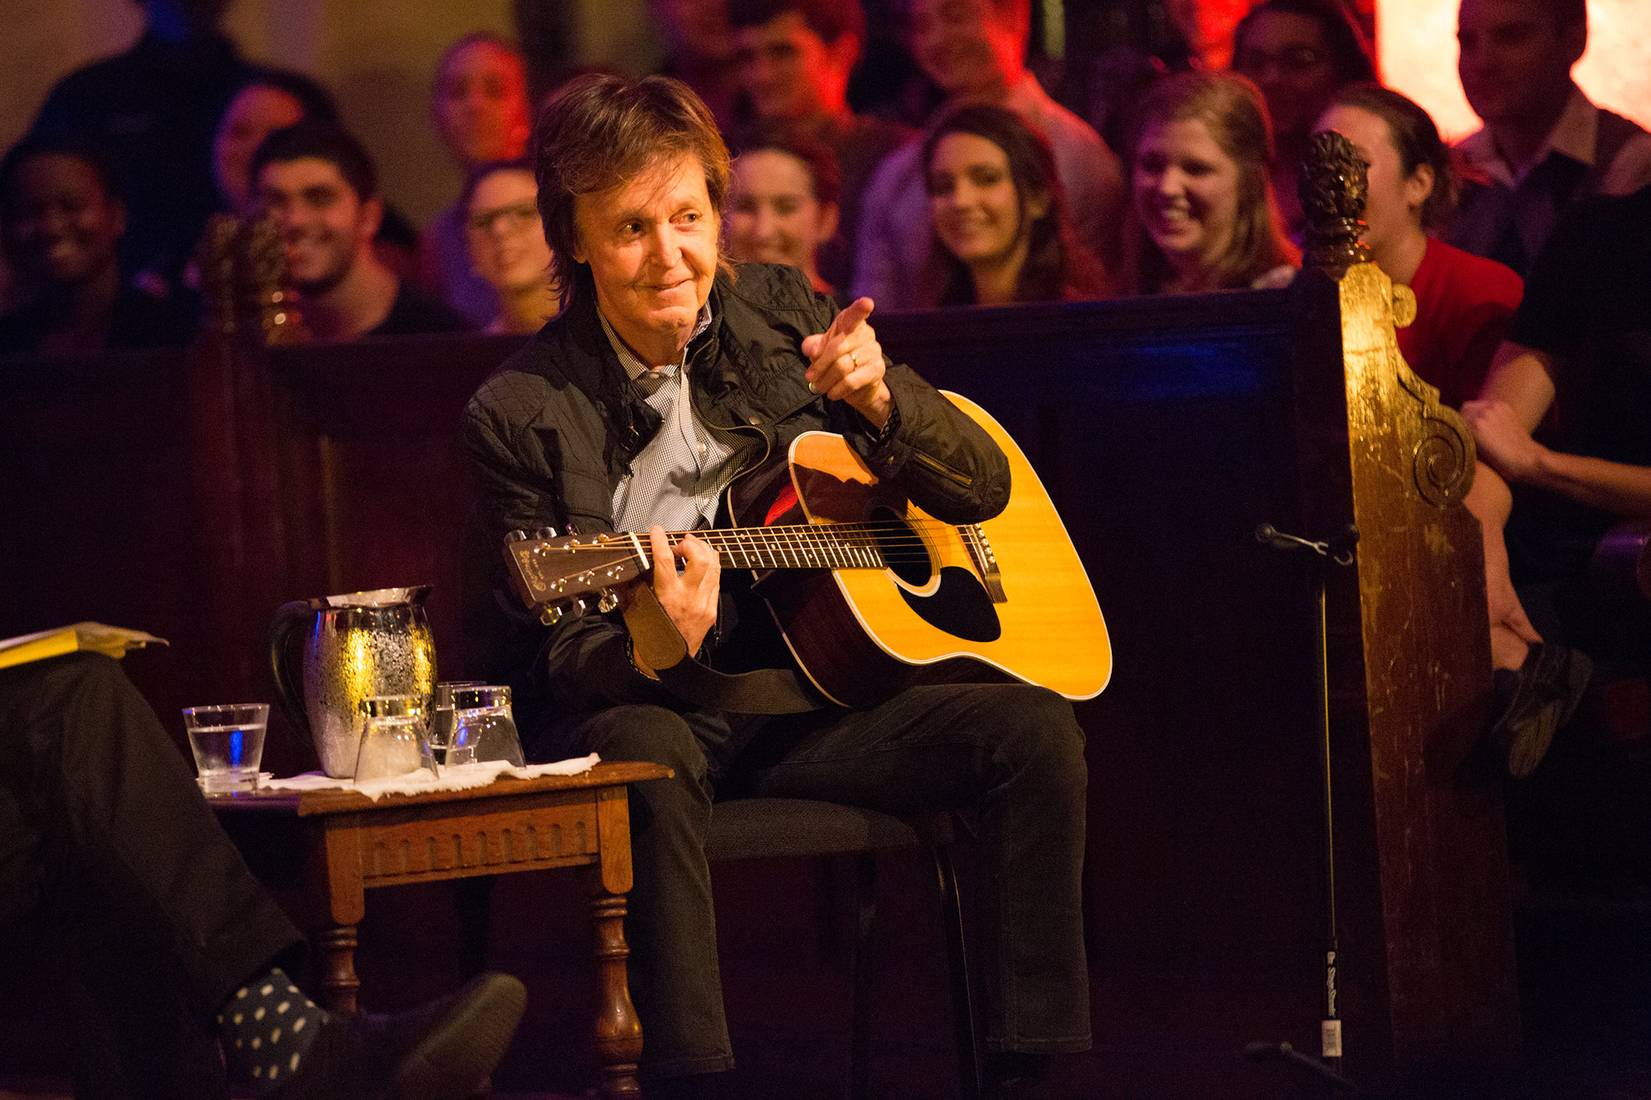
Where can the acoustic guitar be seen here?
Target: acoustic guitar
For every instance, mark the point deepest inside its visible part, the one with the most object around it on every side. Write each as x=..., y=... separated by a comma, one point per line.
x=868, y=590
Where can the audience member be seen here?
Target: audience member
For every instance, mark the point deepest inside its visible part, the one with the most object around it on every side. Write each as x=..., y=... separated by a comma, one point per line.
x=699, y=51
x=60, y=225
x=273, y=99
x=1562, y=421
x=794, y=61
x=483, y=114
x=1543, y=145
x=114, y=857
x=783, y=202
x=1463, y=301
x=1202, y=215
x=507, y=243
x=321, y=187
x=1298, y=52
x=975, y=50
x=1002, y=234
x=270, y=100
x=151, y=112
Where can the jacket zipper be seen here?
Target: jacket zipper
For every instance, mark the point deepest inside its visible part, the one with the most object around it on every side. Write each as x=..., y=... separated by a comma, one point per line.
x=942, y=469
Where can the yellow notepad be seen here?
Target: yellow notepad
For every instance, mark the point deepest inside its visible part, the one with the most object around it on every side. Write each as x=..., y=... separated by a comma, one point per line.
x=111, y=641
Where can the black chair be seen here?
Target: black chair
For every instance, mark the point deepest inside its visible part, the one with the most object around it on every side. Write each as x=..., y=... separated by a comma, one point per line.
x=767, y=828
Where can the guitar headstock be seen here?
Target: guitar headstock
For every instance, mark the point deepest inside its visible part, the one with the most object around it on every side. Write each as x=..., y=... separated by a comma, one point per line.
x=553, y=574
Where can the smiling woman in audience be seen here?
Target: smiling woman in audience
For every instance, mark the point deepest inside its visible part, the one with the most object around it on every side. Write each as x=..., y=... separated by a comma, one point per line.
x=784, y=196
x=1000, y=225
x=60, y=222
x=507, y=244
x=1464, y=303
x=1202, y=214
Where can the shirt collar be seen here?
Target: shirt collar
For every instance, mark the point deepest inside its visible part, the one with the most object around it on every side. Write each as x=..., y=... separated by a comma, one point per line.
x=632, y=363
x=1574, y=135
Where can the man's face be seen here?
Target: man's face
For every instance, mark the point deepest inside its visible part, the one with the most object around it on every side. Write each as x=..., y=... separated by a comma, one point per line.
x=789, y=71
x=968, y=47
x=1288, y=58
x=1515, y=59
x=651, y=244
x=325, y=224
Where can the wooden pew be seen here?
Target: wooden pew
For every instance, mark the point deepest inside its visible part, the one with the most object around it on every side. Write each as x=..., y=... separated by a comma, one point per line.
x=190, y=495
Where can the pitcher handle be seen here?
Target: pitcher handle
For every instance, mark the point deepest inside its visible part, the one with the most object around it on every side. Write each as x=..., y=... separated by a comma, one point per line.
x=289, y=617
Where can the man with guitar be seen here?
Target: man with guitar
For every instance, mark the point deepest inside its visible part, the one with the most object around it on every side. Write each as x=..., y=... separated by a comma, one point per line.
x=672, y=387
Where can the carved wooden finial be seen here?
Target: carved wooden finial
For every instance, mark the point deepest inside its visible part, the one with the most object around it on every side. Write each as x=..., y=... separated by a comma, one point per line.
x=1333, y=188
x=263, y=280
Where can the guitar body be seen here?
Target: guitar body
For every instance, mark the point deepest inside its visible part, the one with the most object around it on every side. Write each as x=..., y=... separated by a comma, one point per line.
x=1014, y=597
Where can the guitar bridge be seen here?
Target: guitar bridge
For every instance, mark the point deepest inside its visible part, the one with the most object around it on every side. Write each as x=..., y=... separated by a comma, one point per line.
x=980, y=552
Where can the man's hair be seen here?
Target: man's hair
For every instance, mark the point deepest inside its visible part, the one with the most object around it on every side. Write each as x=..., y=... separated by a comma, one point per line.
x=314, y=139
x=473, y=179
x=32, y=148
x=814, y=155
x=1231, y=107
x=599, y=131
x=478, y=38
x=1350, y=53
x=1416, y=139
x=830, y=19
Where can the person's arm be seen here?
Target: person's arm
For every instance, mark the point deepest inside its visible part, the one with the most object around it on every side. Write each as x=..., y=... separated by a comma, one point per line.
x=1511, y=632
x=1515, y=399
x=944, y=461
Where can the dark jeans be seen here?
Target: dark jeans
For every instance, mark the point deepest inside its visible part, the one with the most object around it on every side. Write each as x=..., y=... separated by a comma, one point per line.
x=107, y=847
x=1009, y=753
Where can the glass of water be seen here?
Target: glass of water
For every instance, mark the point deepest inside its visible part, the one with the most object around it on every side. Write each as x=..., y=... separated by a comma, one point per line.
x=395, y=739
x=483, y=727
x=441, y=725
x=228, y=744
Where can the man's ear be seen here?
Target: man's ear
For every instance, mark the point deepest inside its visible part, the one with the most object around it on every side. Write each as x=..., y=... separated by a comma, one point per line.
x=845, y=52
x=369, y=218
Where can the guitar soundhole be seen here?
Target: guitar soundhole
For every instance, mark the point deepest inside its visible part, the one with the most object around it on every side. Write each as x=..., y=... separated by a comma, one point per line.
x=904, y=552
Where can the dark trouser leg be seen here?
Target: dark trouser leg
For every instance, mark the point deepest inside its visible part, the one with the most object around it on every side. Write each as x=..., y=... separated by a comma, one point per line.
x=1014, y=755
x=671, y=925
x=105, y=839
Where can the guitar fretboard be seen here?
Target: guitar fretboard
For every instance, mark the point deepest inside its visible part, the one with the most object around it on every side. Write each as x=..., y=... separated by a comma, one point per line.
x=797, y=546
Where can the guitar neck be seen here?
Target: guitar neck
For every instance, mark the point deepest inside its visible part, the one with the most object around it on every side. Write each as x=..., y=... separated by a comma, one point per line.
x=795, y=546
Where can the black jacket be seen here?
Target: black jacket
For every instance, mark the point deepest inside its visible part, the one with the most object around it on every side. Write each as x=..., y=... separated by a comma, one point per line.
x=551, y=433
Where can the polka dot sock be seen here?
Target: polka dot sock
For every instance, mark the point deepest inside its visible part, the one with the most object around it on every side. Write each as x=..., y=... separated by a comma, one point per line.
x=266, y=1028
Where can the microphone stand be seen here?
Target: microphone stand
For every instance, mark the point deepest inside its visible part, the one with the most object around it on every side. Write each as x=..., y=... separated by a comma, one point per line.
x=1336, y=550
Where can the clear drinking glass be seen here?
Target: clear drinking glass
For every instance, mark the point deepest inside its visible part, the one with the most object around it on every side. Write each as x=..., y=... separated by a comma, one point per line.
x=483, y=726
x=395, y=739
x=228, y=743
x=441, y=724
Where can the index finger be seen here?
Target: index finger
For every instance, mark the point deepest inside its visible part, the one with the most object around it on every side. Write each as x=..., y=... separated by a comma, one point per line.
x=664, y=559
x=852, y=315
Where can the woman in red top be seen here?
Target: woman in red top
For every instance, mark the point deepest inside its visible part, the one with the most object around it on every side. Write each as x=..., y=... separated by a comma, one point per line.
x=1463, y=302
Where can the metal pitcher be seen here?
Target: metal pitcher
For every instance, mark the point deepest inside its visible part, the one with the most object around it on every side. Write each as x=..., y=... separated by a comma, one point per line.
x=356, y=646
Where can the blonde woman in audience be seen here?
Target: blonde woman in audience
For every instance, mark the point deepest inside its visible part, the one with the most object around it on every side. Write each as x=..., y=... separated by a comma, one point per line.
x=1202, y=213
x=784, y=202
x=1464, y=303
x=1001, y=230
x=507, y=245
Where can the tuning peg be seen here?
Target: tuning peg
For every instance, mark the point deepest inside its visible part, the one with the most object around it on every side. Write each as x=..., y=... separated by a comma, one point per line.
x=572, y=530
x=544, y=533
x=578, y=606
x=608, y=601
x=550, y=616
x=516, y=536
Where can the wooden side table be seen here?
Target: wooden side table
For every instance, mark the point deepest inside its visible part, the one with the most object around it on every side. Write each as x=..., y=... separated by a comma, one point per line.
x=354, y=844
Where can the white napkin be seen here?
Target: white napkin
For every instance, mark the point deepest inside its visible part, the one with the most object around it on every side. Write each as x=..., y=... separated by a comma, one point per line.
x=459, y=778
